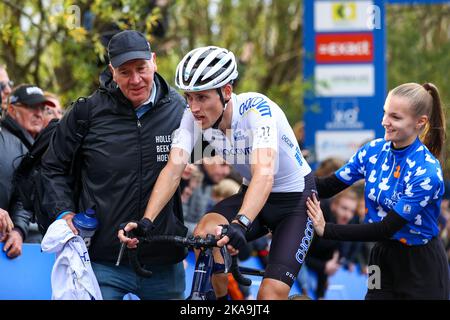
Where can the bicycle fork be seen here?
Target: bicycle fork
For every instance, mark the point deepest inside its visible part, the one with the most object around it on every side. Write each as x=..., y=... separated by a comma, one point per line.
x=201, y=285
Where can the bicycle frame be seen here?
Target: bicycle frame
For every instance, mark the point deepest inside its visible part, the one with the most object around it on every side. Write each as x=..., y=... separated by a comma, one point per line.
x=201, y=283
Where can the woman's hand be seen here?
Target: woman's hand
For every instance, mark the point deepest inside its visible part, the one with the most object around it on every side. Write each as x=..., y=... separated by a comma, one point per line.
x=315, y=214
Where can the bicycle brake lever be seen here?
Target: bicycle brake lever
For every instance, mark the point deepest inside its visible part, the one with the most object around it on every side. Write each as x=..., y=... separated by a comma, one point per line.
x=122, y=246
x=224, y=230
x=119, y=257
x=224, y=252
x=227, y=260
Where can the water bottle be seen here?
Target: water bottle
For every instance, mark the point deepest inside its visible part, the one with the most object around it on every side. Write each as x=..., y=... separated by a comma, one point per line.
x=86, y=224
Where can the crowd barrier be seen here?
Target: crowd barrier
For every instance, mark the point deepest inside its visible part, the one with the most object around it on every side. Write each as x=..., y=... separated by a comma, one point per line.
x=28, y=277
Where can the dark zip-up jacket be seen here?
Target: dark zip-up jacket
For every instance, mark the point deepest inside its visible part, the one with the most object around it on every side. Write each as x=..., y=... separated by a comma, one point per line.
x=122, y=157
x=14, y=144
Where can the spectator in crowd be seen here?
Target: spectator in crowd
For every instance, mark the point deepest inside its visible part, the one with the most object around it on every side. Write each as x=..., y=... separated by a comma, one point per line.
x=327, y=167
x=214, y=170
x=444, y=220
x=23, y=121
x=445, y=204
x=357, y=253
x=186, y=176
x=5, y=88
x=55, y=112
x=324, y=255
x=234, y=175
x=27, y=109
x=299, y=131
x=224, y=189
x=191, y=179
x=133, y=114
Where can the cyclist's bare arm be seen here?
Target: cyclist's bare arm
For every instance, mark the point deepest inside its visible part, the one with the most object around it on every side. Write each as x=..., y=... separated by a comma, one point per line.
x=167, y=182
x=263, y=164
x=165, y=186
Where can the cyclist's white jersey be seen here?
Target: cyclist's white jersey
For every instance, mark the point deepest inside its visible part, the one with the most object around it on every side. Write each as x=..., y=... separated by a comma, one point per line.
x=257, y=122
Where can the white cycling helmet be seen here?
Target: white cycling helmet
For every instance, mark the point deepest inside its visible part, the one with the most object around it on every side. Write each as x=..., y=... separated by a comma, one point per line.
x=206, y=68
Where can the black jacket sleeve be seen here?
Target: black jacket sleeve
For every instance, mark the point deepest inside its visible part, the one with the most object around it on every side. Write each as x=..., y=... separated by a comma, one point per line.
x=377, y=231
x=20, y=216
x=57, y=181
x=329, y=186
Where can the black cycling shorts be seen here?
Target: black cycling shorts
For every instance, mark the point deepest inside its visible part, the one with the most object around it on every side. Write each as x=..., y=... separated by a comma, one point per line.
x=284, y=214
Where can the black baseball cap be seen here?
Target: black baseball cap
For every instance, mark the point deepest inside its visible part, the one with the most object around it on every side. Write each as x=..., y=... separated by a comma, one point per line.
x=30, y=96
x=128, y=45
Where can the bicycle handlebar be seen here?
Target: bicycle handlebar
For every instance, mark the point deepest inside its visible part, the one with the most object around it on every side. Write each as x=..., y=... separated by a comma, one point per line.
x=188, y=242
x=191, y=241
x=237, y=273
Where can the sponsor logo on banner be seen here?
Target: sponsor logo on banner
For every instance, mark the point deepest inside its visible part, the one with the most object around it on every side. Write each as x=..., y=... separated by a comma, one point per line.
x=343, y=11
x=340, y=144
x=349, y=80
x=341, y=15
x=345, y=113
x=352, y=47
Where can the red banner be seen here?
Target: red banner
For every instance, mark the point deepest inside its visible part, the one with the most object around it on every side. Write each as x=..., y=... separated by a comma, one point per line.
x=352, y=47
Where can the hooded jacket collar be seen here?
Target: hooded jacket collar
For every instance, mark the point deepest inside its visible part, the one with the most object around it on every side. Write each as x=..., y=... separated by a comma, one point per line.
x=12, y=126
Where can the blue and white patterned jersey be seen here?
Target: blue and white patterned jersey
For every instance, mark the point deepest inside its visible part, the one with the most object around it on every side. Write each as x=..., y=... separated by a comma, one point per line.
x=257, y=122
x=409, y=181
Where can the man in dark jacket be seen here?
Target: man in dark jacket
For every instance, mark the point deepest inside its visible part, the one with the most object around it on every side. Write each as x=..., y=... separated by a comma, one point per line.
x=23, y=121
x=132, y=117
x=6, y=86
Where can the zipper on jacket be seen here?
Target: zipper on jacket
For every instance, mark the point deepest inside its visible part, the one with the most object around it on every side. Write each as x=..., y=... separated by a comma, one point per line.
x=139, y=126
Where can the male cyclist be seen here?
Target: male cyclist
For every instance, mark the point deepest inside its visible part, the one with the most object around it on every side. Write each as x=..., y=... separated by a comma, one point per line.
x=251, y=133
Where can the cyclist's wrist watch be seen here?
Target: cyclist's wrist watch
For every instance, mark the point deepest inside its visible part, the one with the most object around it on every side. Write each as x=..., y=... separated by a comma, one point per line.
x=244, y=221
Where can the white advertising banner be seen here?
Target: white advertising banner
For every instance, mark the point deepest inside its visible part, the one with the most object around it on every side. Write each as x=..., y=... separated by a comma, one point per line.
x=344, y=80
x=340, y=144
x=343, y=16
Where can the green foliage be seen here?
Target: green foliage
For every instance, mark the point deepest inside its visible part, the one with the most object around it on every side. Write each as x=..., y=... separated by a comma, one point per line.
x=63, y=57
x=419, y=51
x=44, y=42
x=264, y=35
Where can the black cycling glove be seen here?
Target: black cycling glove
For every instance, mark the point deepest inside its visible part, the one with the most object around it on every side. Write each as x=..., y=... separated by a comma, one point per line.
x=144, y=228
x=236, y=233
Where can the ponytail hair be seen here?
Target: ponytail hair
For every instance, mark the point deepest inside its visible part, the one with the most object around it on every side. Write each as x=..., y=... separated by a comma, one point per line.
x=434, y=134
x=425, y=100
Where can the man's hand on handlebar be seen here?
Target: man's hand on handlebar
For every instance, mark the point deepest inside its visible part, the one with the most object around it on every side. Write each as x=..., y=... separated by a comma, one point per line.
x=142, y=228
x=232, y=235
